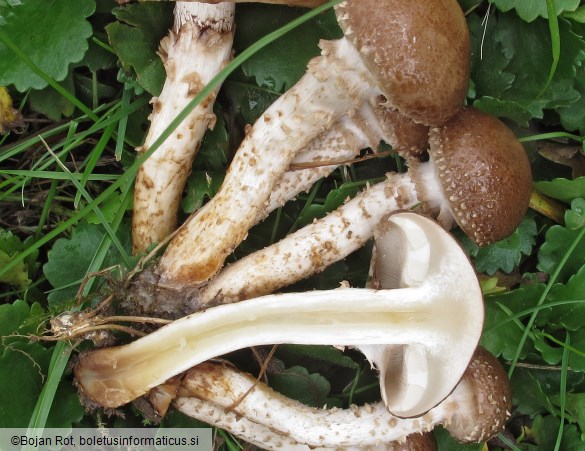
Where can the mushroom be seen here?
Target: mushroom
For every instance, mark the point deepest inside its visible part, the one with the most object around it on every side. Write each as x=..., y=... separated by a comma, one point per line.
x=416, y=54
x=475, y=411
x=478, y=175
x=270, y=438
x=197, y=48
x=304, y=3
x=418, y=319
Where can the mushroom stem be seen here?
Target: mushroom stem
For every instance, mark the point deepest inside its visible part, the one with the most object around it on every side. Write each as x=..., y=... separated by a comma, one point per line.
x=310, y=249
x=197, y=48
x=475, y=411
x=370, y=125
x=336, y=83
x=268, y=437
x=478, y=176
x=350, y=72
x=418, y=318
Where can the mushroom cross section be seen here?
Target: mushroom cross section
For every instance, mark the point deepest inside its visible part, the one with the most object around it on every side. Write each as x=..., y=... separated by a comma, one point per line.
x=419, y=318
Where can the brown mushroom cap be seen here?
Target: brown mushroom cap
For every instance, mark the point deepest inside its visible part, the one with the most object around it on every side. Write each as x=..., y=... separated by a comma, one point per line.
x=408, y=138
x=424, y=441
x=487, y=383
x=419, y=50
x=485, y=174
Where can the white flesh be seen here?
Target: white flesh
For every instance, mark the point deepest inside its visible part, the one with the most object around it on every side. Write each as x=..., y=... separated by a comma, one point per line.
x=335, y=84
x=197, y=48
x=421, y=315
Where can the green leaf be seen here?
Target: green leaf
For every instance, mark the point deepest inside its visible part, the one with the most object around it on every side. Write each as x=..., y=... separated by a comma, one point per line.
x=281, y=64
x=575, y=217
x=109, y=208
x=200, y=185
x=489, y=61
x=529, y=10
x=212, y=155
x=70, y=258
x=558, y=240
x=544, y=431
x=533, y=390
x=23, y=365
x=10, y=246
x=67, y=409
x=500, y=336
x=562, y=189
x=53, y=34
x=505, y=255
x=577, y=361
x=248, y=100
x=297, y=383
x=49, y=102
x=578, y=15
x=575, y=406
x=136, y=37
x=573, y=116
x=335, y=198
x=527, y=46
x=569, y=316
x=325, y=354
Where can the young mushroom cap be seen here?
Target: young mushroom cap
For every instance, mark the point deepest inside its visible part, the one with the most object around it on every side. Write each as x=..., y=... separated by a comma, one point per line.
x=419, y=51
x=485, y=174
x=485, y=400
x=418, y=318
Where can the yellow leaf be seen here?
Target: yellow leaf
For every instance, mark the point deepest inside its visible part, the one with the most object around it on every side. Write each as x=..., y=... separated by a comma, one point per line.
x=10, y=118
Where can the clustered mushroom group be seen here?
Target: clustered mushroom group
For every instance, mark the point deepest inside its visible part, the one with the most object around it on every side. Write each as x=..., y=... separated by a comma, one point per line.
x=400, y=75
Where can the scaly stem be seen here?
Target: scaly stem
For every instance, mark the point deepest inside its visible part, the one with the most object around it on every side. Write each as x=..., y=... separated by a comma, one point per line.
x=310, y=249
x=197, y=48
x=335, y=83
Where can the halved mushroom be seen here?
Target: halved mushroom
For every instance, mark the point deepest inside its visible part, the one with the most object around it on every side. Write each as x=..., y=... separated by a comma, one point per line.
x=418, y=319
x=475, y=411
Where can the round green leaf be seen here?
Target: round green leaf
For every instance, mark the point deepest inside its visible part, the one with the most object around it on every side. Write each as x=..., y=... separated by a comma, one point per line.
x=52, y=33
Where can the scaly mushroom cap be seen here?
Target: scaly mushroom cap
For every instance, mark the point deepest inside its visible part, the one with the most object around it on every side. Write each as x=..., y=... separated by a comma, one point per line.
x=490, y=401
x=419, y=50
x=485, y=174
